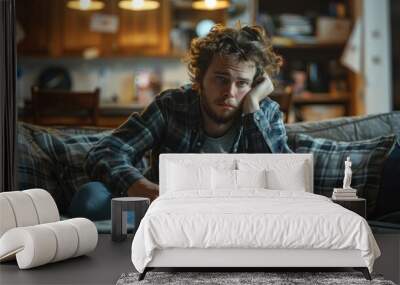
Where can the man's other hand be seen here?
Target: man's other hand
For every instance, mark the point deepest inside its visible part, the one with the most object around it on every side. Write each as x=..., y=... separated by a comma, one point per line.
x=144, y=188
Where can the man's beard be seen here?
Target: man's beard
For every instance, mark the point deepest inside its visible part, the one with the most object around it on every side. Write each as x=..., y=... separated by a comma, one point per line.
x=214, y=116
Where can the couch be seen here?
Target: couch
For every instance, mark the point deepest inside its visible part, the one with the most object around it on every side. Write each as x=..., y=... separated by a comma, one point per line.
x=386, y=216
x=52, y=158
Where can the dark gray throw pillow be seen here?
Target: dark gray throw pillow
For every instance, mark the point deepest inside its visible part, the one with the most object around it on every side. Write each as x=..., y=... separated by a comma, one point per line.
x=388, y=202
x=367, y=158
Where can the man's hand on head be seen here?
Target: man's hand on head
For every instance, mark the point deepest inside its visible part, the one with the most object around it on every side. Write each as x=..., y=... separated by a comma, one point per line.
x=261, y=89
x=144, y=188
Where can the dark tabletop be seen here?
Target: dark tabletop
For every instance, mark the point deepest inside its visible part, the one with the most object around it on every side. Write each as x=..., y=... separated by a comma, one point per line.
x=104, y=265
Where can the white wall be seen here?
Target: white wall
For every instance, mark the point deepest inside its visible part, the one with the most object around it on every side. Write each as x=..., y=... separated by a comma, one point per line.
x=115, y=76
x=377, y=62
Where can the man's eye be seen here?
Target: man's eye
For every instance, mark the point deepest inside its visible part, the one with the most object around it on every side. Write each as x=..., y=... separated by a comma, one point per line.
x=222, y=80
x=242, y=83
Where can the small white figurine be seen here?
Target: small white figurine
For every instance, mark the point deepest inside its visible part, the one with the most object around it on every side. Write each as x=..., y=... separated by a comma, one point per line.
x=347, y=174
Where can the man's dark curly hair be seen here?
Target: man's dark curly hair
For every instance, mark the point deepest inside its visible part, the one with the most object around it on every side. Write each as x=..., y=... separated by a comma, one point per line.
x=248, y=43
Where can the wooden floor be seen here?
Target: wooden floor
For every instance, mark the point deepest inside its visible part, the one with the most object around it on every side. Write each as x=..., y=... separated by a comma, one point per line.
x=389, y=262
x=106, y=264
x=102, y=266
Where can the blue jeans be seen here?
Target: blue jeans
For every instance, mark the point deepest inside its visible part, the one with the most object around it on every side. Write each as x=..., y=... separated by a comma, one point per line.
x=92, y=201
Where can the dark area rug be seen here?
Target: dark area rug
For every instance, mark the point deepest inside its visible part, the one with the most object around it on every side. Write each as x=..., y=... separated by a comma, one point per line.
x=228, y=278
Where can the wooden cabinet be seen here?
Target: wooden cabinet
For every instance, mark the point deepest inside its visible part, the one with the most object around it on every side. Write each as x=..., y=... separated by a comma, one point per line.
x=76, y=35
x=143, y=32
x=35, y=25
x=52, y=29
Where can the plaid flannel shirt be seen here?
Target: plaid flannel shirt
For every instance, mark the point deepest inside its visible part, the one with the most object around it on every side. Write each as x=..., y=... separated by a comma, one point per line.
x=172, y=124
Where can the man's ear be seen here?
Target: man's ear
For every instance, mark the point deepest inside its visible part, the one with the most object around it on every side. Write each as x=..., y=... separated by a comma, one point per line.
x=196, y=86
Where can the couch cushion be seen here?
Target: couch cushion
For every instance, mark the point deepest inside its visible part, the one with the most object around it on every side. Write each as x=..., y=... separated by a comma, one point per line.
x=348, y=128
x=35, y=168
x=53, y=159
x=367, y=156
x=379, y=227
x=68, y=152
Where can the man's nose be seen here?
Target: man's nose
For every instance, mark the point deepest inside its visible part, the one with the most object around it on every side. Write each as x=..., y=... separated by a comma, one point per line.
x=230, y=90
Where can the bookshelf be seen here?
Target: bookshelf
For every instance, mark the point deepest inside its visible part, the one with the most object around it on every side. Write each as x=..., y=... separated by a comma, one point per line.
x=302, y=35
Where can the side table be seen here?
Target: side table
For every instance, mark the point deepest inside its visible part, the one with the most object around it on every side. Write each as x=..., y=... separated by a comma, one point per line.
x=119, y=214
x=357, y=205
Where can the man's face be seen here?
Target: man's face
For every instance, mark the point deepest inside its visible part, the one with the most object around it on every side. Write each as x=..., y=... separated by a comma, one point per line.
x=224, y=86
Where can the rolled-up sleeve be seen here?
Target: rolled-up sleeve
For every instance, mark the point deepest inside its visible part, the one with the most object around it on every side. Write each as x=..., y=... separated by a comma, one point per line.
x=112, y=159
x=264, y=130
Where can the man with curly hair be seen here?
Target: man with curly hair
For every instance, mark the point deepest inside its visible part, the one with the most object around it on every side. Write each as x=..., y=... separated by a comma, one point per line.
x=225, y=109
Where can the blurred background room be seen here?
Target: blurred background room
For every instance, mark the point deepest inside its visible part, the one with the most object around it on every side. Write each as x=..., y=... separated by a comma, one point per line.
x=104, y=59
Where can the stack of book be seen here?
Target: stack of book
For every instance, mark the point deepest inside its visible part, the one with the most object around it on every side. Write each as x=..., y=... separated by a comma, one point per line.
x=344, y=194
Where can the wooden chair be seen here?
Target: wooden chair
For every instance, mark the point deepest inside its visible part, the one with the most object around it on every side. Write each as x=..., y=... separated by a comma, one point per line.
x=284, y=99
x=53, y=107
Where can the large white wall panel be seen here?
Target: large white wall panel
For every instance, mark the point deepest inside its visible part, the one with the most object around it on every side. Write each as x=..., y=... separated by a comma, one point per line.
x=377, y=52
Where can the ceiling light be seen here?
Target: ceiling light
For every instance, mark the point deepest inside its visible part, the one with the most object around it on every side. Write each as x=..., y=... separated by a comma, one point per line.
x=210, y=4
x=138, y=5
x=85, y=5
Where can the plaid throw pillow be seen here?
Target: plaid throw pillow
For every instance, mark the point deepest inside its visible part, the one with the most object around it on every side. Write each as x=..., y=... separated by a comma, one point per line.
x=367, y=158
x=35, y=168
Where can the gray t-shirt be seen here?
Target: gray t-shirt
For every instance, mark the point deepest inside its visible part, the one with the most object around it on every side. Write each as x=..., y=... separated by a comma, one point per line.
x=221, y=144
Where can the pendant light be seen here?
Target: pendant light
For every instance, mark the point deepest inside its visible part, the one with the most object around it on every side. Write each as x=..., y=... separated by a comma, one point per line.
x=85, y=5
x=210, y=4
x=138, y=5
